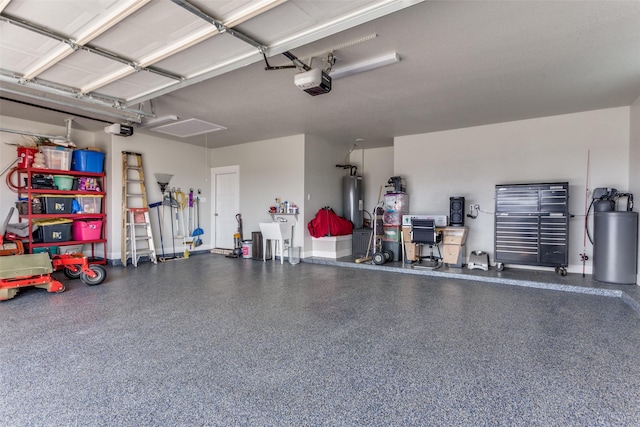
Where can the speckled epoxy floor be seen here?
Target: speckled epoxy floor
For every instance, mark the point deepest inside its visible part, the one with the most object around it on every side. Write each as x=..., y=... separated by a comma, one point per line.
x=218, y=341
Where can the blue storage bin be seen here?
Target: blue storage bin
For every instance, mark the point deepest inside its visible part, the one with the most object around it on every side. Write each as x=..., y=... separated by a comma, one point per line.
x=87, y=161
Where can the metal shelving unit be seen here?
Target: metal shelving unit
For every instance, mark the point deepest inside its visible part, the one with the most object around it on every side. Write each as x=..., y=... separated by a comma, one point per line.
x=29, y=193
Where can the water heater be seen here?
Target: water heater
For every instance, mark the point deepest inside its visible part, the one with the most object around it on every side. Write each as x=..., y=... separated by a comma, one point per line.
x=352, y=199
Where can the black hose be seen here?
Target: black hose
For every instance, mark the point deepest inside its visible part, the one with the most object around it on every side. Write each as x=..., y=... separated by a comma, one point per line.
x=586, y=222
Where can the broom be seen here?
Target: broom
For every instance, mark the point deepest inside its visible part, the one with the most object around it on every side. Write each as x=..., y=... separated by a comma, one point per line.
x=367, y=256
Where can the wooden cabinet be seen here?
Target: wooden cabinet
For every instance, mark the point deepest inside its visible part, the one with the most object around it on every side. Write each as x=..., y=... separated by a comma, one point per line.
x=94, y=209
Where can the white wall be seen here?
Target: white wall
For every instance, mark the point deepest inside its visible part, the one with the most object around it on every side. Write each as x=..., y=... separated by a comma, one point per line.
x=376, y=167
x=634, y=159
x=268, y=169
x=466, y=162
x=187, y=164
x=323, y=181
x=470, y=162
x=8, y=153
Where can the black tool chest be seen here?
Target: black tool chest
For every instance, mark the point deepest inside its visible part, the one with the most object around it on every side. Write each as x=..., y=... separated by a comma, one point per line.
x=532, y=225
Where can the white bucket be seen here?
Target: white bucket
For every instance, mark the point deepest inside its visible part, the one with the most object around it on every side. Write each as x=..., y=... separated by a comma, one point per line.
x=247, y=249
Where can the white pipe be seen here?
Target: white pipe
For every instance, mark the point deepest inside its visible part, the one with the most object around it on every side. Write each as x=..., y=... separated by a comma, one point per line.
x=68, y=121
x=9, y=166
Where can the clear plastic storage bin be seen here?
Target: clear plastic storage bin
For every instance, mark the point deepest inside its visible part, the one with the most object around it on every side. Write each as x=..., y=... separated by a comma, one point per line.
x=58, y=158
x=90, y=204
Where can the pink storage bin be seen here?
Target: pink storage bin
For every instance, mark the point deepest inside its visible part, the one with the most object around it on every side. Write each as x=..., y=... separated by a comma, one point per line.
x=86, y=230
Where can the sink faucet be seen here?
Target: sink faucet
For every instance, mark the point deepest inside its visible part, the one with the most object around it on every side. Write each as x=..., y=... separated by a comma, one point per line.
x=281, y=219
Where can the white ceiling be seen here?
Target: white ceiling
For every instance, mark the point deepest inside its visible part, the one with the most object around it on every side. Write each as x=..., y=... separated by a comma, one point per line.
x=463, y=63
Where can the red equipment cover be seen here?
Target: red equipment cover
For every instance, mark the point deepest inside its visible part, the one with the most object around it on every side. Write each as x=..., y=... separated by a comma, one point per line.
x=328, y=223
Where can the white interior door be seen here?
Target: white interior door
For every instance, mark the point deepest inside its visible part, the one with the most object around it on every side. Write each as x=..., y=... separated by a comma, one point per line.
x=226, y=205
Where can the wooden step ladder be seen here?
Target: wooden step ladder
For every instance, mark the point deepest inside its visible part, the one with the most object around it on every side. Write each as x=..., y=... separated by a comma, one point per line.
x=137, y=239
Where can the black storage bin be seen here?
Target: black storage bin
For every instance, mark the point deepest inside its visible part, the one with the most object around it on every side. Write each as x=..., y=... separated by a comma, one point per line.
x=57, y=204
x=53, y=231
x=41, y=182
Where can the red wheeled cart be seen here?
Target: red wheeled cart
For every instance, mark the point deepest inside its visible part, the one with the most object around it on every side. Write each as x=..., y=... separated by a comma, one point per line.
x=76, y=265
x=17, y=271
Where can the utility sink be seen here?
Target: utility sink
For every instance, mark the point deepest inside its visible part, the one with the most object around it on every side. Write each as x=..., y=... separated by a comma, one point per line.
x=276, y=232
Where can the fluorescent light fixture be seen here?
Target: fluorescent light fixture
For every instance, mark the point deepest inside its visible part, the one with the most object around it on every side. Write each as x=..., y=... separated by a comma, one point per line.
x=366, y=65
x=48, y=61
x=3, y=4
x=180, y=45
x=120, y=73
x=254, y=9
x=103, y=23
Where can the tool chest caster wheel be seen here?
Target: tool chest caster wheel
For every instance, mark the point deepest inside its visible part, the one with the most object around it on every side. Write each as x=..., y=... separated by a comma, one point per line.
x=561, y=271
x=499, y=266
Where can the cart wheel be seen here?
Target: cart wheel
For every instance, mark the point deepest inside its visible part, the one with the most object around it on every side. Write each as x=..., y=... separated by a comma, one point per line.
x=499, y=266
x=387, y=255
x=100, y=273
x=72, y=274
x=378, y=258
x=562, y=271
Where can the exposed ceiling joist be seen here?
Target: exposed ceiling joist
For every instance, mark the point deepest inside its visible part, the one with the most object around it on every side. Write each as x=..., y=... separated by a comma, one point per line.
x=221, y=27
x=299, y=37
x=68, y=47
x=97, y=53
x=463, y=64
